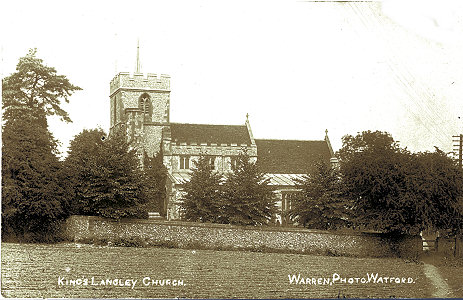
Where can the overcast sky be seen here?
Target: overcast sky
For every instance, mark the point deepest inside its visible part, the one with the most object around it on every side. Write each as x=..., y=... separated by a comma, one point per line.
x=297, y=68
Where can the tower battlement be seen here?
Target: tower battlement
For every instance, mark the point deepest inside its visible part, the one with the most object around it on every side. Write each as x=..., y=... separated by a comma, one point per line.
x=148, y=81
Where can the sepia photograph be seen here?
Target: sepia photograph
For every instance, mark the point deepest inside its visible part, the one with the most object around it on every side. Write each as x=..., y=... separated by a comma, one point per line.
x=232, y=150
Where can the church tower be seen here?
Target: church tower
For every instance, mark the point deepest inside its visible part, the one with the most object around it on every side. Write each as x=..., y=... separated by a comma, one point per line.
x=140, y=104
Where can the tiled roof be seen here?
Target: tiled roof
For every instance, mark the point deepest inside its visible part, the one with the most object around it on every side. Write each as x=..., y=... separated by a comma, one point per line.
x=180, y=177
x=275, y=179
x=290, y=156
x=210, y=134
x=284, y=179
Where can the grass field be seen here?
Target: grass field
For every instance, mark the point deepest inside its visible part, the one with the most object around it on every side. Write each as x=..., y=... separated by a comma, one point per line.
x=61, y=270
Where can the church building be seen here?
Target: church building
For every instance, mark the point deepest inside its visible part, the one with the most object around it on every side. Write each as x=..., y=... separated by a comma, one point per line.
x=140, y=103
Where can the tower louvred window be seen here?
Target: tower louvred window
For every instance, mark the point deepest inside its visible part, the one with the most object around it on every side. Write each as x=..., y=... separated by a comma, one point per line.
x=144, y=105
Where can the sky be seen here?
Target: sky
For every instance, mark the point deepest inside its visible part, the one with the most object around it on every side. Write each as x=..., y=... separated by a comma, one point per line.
x=296, y=67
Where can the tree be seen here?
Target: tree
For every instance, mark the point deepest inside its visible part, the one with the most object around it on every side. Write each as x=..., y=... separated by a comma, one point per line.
x=203, y=199
x=37, y=87
x=108, y=175
x=436, y=182
x=81, y=164
x=155, y=175
x=321, y=204
x=374, y=168
x=248, y=198
x=394, y=190
x=34, y=196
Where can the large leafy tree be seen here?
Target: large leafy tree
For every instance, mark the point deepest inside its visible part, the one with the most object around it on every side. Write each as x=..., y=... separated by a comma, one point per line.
x=248, y=197
x=34, y=194
x=80, y=166
x=108, y=177
x=373, y=167
x=37, y=87
x=321, y=204
x=397, y=191
x=202, y=201
x=435, y=184
x=34, y=197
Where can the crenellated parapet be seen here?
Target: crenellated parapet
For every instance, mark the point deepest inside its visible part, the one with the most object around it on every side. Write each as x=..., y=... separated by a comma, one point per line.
x=213, y=149
x=140, y=82
x=141, y=102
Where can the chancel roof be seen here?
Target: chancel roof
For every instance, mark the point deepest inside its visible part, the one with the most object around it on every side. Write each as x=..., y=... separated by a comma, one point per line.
x=275, y=179
x=290, y=156
x=209, y=134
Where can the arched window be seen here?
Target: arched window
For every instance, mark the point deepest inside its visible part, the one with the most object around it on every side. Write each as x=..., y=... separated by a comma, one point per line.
x=144, y=103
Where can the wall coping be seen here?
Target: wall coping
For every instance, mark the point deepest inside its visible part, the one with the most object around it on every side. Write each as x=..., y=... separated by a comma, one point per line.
x=228, y=226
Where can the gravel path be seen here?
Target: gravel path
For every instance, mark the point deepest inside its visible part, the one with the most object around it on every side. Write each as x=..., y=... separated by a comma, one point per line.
x=442, y=289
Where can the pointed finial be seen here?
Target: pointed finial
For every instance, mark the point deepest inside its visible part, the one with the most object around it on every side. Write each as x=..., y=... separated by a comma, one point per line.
x=138, y=57
x=326, y=131
x=247, y=117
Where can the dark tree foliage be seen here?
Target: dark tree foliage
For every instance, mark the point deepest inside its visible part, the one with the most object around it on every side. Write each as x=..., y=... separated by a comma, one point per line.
x=396, y=191
x=321, y=204
x=436, y=182
x=80, y=165
x=34, y=198
x=35, y=195
x=108, y=178
x=203, y=201
x=248, y=197
x=373, y=168
x=155, y=176
x=37, y=87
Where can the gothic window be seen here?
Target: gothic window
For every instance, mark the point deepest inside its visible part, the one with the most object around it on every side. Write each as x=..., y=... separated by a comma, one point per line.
x=184, y=162
x=144, y=103
x=212, y=162
x=287, y=198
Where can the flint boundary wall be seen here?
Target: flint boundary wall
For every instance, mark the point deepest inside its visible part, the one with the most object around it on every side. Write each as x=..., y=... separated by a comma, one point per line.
x=89, y=229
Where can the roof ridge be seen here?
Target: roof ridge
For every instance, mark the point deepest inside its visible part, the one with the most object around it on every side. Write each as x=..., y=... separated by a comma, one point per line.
x=240, y=125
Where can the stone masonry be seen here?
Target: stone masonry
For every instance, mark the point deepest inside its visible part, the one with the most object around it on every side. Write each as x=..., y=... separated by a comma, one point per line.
x=140, y=106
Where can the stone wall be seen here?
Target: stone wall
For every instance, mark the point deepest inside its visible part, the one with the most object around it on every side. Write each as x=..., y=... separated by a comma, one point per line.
x=222, y=154
x=152, y=136
x=228, y=237
x=173, y=151
x=126, y=89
